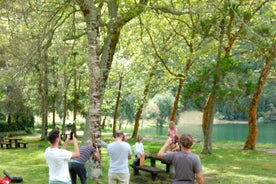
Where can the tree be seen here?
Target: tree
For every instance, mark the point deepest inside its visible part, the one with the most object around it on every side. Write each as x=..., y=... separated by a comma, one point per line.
x=233, y=19
x=100, y=59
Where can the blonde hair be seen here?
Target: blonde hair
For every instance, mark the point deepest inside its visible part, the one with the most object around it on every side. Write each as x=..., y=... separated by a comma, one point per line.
x=139, y=138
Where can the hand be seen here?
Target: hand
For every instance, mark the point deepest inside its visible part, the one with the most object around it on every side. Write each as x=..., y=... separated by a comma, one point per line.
x=168, y=141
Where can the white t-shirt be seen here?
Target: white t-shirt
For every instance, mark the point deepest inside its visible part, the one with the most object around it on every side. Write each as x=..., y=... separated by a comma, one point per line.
x=138, y=149
x=57, y=160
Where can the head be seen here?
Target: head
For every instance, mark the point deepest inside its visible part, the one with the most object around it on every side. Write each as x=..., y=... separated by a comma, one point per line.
x=176, y=139
x=186, y=140
x=171, y=125
x=119, y=133
x=89, y=142
x=139, y=139
x=53, y=136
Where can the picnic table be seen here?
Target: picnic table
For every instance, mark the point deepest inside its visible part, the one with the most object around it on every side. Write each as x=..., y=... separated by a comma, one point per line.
x=152, y=169
x=154, y=157
x=14, y=140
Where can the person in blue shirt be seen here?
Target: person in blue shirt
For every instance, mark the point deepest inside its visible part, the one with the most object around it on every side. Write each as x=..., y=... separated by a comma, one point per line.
x=119, y=152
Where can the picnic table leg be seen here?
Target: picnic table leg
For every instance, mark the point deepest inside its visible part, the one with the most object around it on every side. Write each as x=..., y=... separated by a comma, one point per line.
x=153, y=176
x=168, y=168
x=152, y=162
x=135, y=171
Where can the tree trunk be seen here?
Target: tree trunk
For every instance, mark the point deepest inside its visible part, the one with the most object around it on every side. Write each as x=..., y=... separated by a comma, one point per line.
x=44, y=100
x=117, y=105
x=176, y=100
x=54, y=115
x=141, y=106
x=207, y=123
x=252, y=112
x=64, y=110
x=99, y=68
x=75, y=98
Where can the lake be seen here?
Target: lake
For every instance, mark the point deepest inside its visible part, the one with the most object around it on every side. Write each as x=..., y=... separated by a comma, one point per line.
x=221, y=132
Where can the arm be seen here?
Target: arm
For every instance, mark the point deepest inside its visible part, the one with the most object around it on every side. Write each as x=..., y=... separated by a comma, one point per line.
x=97, y=154
x=76, y=152
x=199, y=178
x=163, y=148
x=64, y=146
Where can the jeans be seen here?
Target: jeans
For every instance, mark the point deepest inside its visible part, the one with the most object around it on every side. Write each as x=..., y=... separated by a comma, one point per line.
x=77, y=169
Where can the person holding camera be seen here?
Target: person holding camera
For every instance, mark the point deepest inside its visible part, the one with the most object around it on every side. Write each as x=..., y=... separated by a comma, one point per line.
x=119, y=152
x=187, y=164
x=77, y=165
x=57, y=159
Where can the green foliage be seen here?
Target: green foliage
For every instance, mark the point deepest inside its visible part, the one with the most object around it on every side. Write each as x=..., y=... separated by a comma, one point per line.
x=164, y=103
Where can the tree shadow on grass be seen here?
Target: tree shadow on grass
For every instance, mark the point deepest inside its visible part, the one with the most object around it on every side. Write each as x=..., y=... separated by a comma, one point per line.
x=145, y=178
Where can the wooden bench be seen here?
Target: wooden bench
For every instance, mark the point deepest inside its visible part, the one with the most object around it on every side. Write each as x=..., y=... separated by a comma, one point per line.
x=154, y=171
x=8, y=145
x=24, y=144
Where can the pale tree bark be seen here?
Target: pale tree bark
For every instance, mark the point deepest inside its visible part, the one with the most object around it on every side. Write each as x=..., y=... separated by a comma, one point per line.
x=252, y=111
x=99, y=67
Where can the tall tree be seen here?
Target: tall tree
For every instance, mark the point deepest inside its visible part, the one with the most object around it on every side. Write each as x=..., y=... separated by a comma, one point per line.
x=100, y=59
x=233, y=19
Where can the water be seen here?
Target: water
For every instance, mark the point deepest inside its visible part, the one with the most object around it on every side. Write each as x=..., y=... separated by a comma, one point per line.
x=221, y=132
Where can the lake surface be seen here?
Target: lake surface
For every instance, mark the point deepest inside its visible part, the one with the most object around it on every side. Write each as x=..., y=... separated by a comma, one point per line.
x=221, y=132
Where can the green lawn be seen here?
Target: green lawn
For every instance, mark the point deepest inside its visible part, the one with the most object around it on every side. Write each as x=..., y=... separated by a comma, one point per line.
x=224, y=166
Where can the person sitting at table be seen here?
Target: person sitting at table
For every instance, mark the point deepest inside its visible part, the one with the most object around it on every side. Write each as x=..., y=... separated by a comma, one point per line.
x=187, y=164
x=138, y=150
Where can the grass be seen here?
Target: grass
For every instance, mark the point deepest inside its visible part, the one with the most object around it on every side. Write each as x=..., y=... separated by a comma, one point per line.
x=228, y=164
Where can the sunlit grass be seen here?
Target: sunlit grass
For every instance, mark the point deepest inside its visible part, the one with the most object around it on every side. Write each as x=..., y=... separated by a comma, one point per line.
x=228, y=164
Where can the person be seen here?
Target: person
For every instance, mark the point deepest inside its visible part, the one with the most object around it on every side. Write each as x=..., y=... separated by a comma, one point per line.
x=138, y=150
x=187, y=164
x=174, y=146
x=172, y=131
x=119, y=152
x=57, y=159
x=77, y=165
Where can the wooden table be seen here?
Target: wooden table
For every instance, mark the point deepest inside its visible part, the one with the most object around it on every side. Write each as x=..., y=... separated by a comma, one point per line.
x=14, y=140
x=154, y=157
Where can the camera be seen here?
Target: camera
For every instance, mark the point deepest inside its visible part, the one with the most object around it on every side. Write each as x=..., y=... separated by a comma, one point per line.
x=96, y=146
x=71, y=135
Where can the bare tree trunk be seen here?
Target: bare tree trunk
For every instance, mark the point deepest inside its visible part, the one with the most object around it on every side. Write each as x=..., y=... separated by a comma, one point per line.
x=176, y=100
x=252, y=112
x=54, y=115
x=141, y=106
x=117, y=105
x=64, y=111
x=207, y=123
x=44, y=100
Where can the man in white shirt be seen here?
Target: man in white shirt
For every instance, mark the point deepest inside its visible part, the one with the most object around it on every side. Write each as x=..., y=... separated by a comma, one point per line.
x=57, y=159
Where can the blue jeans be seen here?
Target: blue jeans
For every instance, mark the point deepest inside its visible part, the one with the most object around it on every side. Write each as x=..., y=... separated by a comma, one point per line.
x=75, y=169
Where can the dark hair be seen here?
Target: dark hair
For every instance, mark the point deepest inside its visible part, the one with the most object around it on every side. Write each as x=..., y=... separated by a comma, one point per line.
x=53, y=135
x=186, y=140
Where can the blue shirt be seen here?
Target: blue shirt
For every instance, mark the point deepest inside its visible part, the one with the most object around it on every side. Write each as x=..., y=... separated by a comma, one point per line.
x=118, y=153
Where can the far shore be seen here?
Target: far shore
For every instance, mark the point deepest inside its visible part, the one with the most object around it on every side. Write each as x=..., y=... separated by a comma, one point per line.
x=195, y=117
